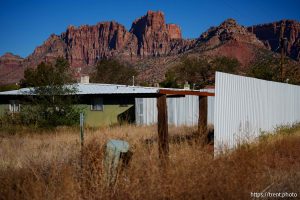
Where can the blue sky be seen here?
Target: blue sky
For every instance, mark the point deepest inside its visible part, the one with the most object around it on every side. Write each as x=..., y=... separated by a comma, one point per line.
x=25, y=24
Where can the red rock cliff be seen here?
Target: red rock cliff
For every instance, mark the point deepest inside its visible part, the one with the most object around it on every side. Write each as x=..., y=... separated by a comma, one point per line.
x=231, y=40
x=154, y=36
x=11, y=68
x=85, y=45
x=270, y=35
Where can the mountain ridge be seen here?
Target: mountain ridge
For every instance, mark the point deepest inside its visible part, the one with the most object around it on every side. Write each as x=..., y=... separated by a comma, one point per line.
x=148, y=43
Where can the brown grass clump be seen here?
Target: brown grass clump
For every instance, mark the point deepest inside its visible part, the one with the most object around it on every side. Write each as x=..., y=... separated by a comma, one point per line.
x=52, y=166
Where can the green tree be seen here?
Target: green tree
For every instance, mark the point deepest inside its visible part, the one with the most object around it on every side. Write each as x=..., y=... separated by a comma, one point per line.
x=198, y=72
x=112, y=71
x=195, y=71
x=51, y=101
x=170, y=80
x=225, y=64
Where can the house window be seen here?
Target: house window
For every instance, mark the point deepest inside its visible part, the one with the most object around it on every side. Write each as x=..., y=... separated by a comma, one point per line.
x=14, y=106
x=97, y=104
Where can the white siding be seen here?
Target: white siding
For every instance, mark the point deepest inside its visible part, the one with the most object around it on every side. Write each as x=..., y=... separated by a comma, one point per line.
x=145, y=111
x=244, y=107
x=181, y=110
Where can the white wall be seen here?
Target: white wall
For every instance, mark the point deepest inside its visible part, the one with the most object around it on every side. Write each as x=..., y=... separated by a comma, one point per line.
x=244, y=107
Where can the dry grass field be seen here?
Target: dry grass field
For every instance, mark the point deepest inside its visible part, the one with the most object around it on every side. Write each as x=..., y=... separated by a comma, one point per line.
x=48, y=166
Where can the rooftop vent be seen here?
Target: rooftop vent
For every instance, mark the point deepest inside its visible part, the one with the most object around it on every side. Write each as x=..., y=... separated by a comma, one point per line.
x=187, y=86
x=85, y=79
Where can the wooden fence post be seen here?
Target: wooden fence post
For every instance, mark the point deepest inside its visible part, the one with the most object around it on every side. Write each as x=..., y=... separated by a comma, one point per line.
x=162, y=124
x=202, y=120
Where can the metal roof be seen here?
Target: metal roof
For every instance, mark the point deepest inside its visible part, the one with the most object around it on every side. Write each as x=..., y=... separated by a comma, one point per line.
x=94, y=88
x=97, y=88
x=23, y=91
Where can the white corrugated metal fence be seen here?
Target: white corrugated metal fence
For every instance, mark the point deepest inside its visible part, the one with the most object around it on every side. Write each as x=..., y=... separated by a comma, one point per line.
x=181, y=110
x=245, y=107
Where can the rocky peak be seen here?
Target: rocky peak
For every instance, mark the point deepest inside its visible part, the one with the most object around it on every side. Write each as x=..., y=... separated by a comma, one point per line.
x=174, y=31
x=226, y=31
x=10, y=56
x=231, y=40
x=152, y=34
x=11, y=68
x=52, y=48
x=153, y=21
x=229, y=23
x=11, y=60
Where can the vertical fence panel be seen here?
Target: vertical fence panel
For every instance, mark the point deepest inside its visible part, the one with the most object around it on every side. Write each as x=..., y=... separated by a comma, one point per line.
x=245, y=107
x=181, y=110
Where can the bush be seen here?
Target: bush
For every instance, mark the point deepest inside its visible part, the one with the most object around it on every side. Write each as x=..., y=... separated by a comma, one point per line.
x=50, y=102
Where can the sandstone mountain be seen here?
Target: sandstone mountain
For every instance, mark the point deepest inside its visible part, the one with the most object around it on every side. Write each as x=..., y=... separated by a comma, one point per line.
x=229, y=39
x=85, y=45
x=151, y=45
